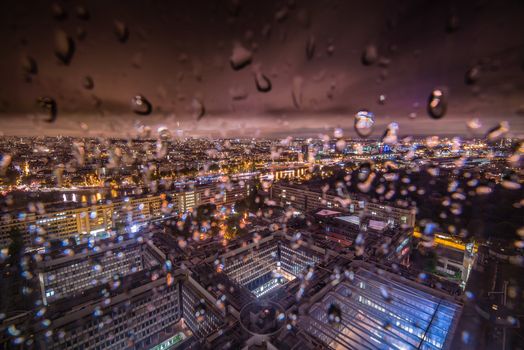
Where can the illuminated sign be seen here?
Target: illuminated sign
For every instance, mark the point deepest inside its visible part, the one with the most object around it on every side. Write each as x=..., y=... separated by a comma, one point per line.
x=169, y=343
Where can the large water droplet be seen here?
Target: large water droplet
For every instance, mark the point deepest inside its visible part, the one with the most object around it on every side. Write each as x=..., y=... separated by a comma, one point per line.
x=48, y=107
x=198, y=108
x=121, y=31
x=64, y=47
x=29, y=65
x=370, y=55
x=498, y=131
x=437, y=104
x=310, y=48
x=472, y=75
x=240, y=57
x=296, y=93
x=262, y=82
x=88, y=83
x=364, y=121
x=140, y=105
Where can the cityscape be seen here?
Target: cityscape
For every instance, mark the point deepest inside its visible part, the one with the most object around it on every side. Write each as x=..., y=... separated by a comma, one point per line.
x=250, y=201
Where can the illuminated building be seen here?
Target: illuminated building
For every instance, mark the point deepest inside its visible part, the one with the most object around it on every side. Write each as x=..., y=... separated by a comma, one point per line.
x=306, y=199
x=273, y=261
x=133, y=303
x=379, y=310
x=72, y=220
x=84, y=268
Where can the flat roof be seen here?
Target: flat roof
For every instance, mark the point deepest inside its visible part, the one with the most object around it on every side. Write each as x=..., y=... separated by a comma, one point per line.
x=382, y=310
x=327, y=212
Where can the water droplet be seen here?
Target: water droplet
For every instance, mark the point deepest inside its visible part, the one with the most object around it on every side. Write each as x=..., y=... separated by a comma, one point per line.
x=198, y=109
x=48, y=107
x=382, y=100
x=238, y=93
x=121, y=31
x=140, y=105
x=510, y=185
x=364, y=121
x=136, y=60
x=262, y=82
x=498, y=131
x=82, y=13
x=385, y=294
x=164, y=134
x=334, y=314
x=81, y=33
x=474, y=124
x=266, y=30
x=452, y=23
x=64, y=47
x=240, y=57
x=472, y=75
x=390, y=136
x=88, y=83
x=58, y=12
x=437, y=104
x=29, y=65
x=370, y=55
x=296, y=93
x=466, y=337
x=281, y=14
x=310, y=48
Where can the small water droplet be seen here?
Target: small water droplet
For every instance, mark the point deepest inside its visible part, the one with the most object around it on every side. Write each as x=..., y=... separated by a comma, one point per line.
x=310, y=48
x=364, y=121
x=64, y=47
x=49, y=108
x=452, y=23
x=334, y=314
x=390, y=136
x=437, y=104
x=474, y=124
x=281, y=14
x=121, y=31
x=81, y=33
x=498, y=131
x=370, y=55
x=296, y=93
x=472, y=75
x=262, y=82
x=82, y=13
x=238, y=93
x=88, y=83
x=164, y=134
x=382, y=100
x=140, y=105
x=198, y=109
x=240, y=57
x=58, y=12
x=29, y=65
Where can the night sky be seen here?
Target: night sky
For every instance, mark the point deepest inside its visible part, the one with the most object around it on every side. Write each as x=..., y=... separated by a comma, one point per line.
x=179, y=51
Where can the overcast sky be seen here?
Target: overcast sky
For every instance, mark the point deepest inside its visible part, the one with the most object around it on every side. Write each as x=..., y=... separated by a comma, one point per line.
x=180, y=50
